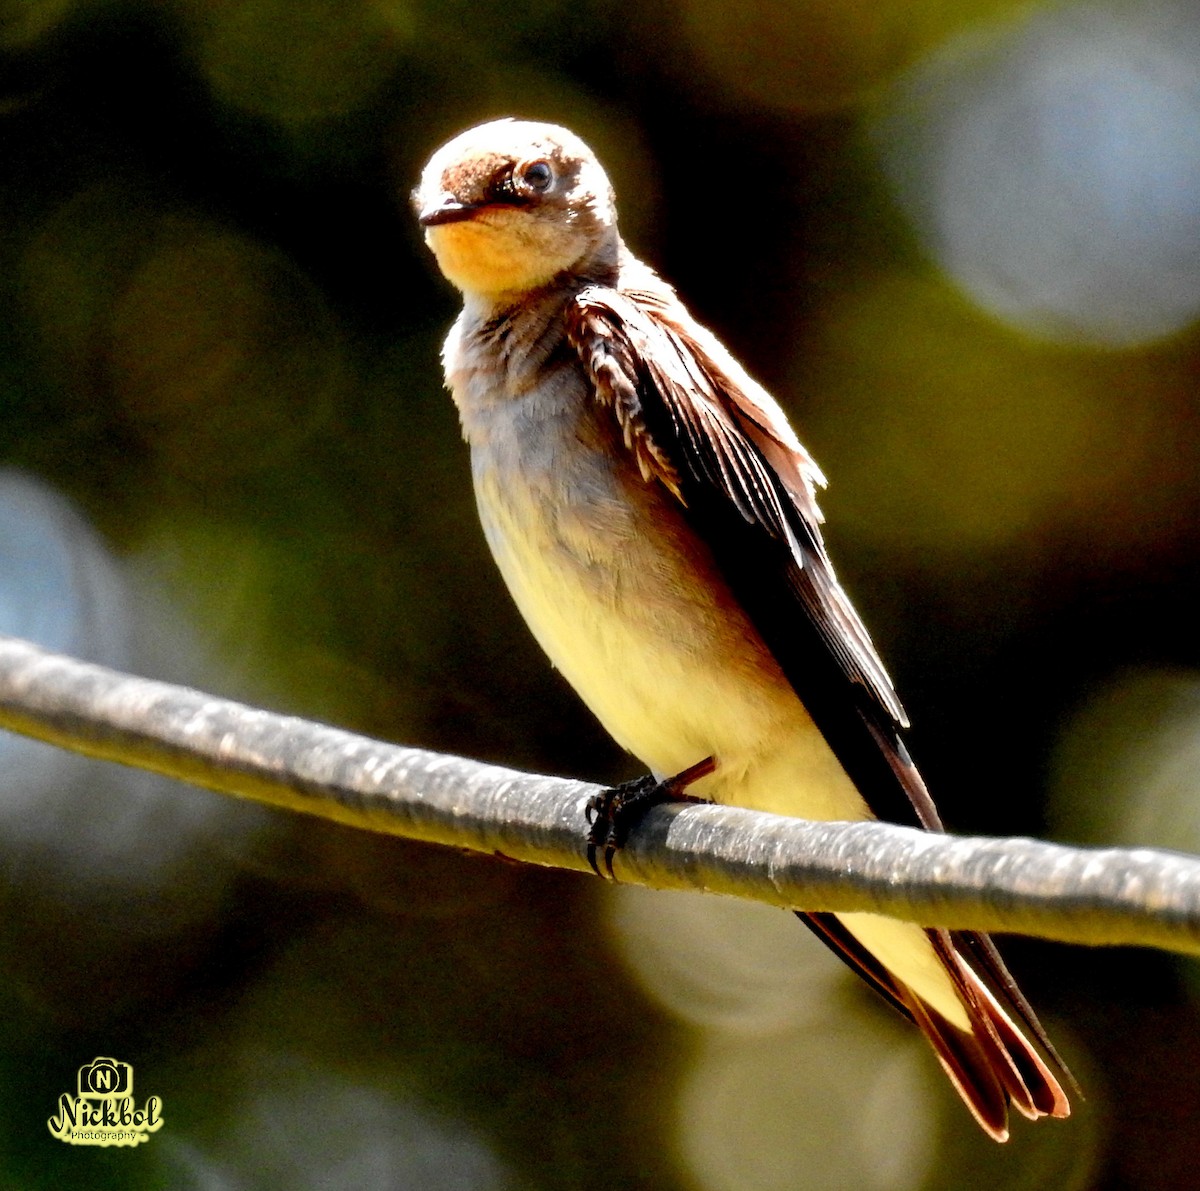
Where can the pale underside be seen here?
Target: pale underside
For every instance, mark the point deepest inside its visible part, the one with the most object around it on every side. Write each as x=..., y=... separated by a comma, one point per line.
x=640, y=624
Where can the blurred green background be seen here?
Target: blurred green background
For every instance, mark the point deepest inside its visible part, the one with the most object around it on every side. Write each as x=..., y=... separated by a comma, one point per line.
x=958, y=240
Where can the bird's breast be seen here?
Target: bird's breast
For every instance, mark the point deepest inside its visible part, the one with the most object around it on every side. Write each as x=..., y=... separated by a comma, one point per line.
x=628, y=604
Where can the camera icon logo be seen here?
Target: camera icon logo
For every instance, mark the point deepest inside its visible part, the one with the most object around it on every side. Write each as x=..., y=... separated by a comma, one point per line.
x=105, y=1077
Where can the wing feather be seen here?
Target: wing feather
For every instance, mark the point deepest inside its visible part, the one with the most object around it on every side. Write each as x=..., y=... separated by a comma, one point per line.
x=651, y=367
x=722, y=447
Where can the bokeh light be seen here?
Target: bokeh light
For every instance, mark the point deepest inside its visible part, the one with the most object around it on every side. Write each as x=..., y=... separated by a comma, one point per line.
x=88, y=846
x=294, y=1123
x=991, y=443
x=798, y=1078
x=1127, y=769
x=296, y=61
x=810, y=1109
x=724, y=964
x=817, y=55
x=60, y=587
x=954, y=237
x=1052, y=168
x=221, y=352
x=24, y=22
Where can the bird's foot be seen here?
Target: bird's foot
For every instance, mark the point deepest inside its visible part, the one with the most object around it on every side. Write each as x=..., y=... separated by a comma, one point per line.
x=612, y=812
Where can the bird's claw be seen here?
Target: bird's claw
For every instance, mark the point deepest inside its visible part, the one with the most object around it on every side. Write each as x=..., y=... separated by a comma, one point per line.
x=612, y=812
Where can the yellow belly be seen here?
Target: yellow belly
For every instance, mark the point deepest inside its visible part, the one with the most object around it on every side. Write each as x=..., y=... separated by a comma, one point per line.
x=648, y=636
x=658, y=650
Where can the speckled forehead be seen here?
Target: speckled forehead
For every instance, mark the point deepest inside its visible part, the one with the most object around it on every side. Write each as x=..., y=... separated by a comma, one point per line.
x=468, y=176
x=467, y=164
x=465, y=168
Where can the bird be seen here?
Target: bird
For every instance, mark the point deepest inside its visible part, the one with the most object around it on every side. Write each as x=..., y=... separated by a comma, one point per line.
x=655, y=519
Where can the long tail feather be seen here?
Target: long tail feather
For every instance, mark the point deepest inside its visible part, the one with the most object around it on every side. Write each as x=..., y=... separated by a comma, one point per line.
x=993, y=1064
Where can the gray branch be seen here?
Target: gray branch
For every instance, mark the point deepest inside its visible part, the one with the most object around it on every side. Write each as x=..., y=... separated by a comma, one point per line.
x=1096, y=896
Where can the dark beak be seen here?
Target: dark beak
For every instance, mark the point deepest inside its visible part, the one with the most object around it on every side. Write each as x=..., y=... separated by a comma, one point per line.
x=447, y=209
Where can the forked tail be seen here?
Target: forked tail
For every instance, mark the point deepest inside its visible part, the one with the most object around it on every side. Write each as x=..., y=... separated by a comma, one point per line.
x=994, y=1063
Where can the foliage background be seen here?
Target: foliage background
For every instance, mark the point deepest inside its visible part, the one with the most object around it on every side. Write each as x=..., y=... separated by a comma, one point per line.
x=957, y=240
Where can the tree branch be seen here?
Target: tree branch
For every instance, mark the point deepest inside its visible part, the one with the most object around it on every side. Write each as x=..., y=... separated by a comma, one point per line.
x=1095, y=896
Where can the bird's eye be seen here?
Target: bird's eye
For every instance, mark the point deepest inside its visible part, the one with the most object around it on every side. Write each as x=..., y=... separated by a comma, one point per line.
x=537, y=175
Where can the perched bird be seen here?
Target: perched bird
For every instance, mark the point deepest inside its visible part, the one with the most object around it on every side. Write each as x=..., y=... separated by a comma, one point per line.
x=654, y=517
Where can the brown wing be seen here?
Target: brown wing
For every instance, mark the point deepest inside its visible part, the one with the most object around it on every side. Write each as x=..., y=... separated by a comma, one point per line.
x=718, y=442
x=723, y=447
x=732, y=437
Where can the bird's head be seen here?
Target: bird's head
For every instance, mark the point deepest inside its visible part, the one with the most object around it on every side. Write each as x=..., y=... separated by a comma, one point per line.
x=510, y=205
